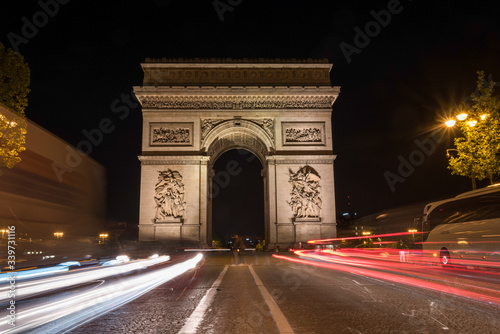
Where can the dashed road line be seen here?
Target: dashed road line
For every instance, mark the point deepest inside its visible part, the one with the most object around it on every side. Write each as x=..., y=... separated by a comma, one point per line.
x=283, y=325
x=196, y=317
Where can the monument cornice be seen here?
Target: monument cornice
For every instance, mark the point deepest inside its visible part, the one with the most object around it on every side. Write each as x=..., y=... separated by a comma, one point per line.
x=237, y=101
x=236, y=73
x=277, y=90
x=223, y=61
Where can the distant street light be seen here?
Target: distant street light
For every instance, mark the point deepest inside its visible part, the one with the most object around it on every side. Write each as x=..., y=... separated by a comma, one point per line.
x=413, y=231
x=102, y=237
x=58, y=235
x=3, y=232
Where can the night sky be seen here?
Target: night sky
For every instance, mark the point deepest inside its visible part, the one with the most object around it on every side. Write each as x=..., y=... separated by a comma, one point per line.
x=397, y=83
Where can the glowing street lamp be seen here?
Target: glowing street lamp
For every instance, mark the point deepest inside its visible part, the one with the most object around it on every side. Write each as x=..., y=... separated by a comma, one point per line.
x=58, y=235
x=4, y=231
x=462, y=117
x=450, y=123
x=413, y=231
x=103, y=237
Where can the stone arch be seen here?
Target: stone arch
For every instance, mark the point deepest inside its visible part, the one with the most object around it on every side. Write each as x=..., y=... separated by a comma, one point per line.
x=238, y=133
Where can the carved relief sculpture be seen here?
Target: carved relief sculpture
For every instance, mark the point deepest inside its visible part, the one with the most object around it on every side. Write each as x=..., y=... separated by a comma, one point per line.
x=171, y=134
x=305, y=195
x=166, y=135
x=169, y=195
x=208, y=124
x=312, y=133
x=267, y=124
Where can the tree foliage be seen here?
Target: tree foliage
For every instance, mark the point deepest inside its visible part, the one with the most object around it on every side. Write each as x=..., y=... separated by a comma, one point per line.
x=14, y=89
x=479, y=148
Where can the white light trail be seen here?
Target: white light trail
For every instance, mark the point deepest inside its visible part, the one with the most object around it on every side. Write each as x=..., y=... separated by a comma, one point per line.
x=75, y=310
x=25, y=289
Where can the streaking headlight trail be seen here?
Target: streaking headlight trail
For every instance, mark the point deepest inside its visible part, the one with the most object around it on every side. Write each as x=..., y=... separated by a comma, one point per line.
x=79, y=308
x=25, y=289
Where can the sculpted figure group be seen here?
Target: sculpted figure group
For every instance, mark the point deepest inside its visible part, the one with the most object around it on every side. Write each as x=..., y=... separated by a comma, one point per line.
x=293, y=135
x=169, y=195
x=305, y=201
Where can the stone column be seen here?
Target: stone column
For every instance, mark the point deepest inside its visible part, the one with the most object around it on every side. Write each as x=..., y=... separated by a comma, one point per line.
x=271, y=210
x=205, y=224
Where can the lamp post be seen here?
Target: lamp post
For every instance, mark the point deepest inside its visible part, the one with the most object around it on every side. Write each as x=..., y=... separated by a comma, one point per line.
x=412, y=231
x=470, y=123
x=102, y=238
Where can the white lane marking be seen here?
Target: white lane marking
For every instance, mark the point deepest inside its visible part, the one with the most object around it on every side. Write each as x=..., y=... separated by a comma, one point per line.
x=283, y=325
x=191, y=326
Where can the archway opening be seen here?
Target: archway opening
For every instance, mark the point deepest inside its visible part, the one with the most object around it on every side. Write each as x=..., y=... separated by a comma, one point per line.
x=237, y=198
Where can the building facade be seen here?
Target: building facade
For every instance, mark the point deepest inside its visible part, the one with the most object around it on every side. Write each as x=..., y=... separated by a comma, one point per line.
x=53, y=189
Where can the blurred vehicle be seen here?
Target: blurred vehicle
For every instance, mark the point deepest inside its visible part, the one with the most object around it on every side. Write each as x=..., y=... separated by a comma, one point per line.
x=464, y=229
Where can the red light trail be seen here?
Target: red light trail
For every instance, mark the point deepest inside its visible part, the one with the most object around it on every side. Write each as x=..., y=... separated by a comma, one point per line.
x=403, y=273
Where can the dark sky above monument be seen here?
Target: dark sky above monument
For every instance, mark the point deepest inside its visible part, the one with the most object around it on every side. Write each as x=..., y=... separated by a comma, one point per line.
x=401, y=66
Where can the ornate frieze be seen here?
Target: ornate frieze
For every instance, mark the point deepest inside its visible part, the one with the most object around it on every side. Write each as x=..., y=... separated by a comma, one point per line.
x=169, y=195
x=305, y=200
x=236, y=102
x=173, y=160
x=304, y=133
x=305, y=159
x=171, y=134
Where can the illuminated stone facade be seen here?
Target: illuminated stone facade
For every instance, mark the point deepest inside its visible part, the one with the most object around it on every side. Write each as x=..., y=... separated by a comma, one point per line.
x=194, y=111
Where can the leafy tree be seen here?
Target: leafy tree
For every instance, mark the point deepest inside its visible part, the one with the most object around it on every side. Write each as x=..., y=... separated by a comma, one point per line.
x=14, y=89
x=479, y=148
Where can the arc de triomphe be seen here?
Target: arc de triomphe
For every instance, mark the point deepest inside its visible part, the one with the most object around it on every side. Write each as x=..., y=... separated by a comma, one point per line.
x=194, y=111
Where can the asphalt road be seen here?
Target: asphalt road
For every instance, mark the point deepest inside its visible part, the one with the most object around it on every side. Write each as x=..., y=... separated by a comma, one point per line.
x=270, y=295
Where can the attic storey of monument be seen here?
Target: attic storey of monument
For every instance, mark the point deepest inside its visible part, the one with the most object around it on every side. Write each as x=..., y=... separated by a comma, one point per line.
x=194, y=111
